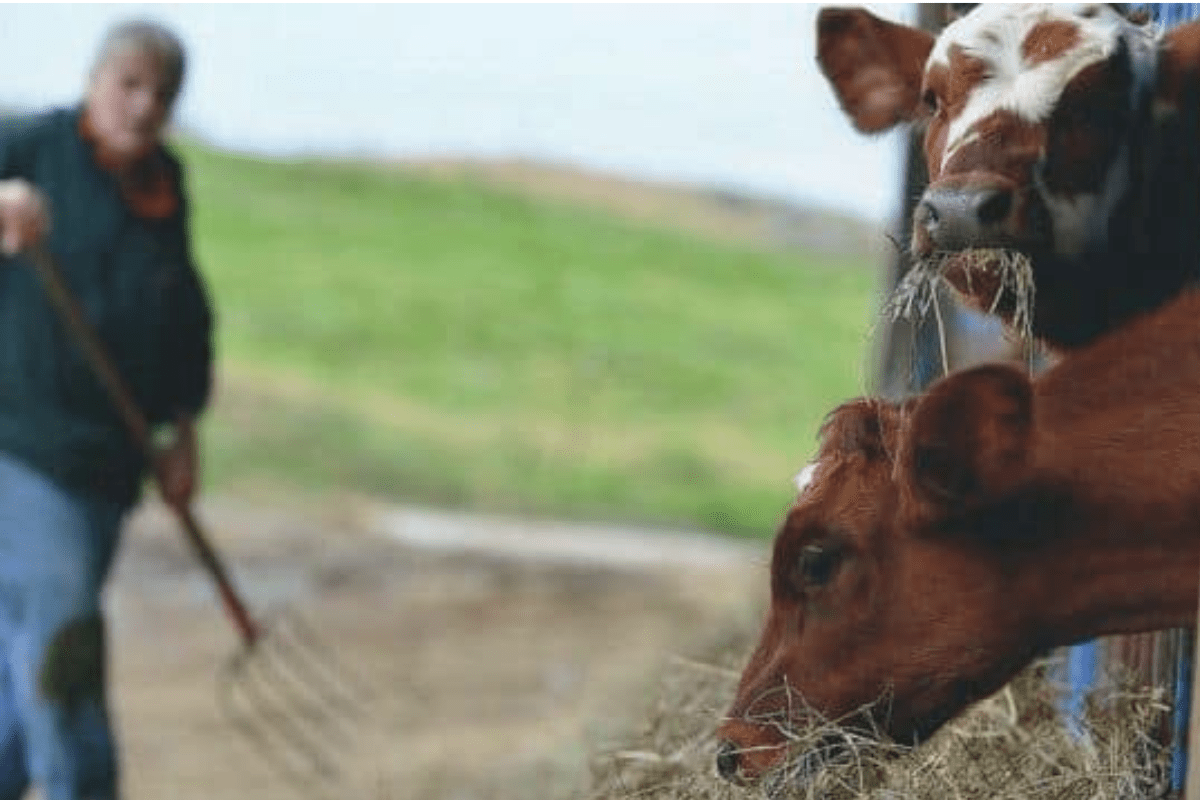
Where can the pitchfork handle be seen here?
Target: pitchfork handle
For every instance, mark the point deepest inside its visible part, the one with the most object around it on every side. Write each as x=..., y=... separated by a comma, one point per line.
x=97, y=356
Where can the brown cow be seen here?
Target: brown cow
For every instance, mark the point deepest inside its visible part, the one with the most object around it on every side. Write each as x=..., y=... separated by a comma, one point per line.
x=941, y=544
x=1066, y=133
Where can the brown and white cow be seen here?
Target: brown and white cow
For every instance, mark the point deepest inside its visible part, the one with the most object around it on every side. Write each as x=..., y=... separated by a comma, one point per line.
x=941, y=544
x=1067, y=133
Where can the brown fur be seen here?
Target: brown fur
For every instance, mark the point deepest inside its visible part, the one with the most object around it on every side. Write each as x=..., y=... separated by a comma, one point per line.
x=876, y=64
x=1179, y=67
x=991, y=518
x=1086, y=127
x=1048, y=41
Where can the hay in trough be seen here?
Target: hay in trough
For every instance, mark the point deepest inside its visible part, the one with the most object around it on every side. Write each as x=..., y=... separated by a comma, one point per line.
x=1012, y=745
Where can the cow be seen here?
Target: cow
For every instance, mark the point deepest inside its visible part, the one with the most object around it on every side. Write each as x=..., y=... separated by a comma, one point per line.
x=939, y=544
x=1066, y=134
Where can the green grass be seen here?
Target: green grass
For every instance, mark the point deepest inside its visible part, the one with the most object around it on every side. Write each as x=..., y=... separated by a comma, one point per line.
x=441, y=342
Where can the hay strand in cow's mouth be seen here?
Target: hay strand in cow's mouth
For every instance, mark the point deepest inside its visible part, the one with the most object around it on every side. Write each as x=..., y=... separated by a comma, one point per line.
x=916, y=294
x=914, y=297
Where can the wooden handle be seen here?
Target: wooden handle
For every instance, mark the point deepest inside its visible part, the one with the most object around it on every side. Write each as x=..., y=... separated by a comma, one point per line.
x=84, y=336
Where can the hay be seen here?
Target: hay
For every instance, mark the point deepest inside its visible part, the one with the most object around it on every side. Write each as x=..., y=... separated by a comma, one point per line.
x=916, y=295
x=1012, y=745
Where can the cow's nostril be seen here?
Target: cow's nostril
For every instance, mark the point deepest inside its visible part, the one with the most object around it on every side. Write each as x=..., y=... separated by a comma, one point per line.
x=727, y=760
x=927, y=214
x=994, y=206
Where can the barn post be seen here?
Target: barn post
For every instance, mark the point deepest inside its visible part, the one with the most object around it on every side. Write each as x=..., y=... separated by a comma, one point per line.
x=907, y=355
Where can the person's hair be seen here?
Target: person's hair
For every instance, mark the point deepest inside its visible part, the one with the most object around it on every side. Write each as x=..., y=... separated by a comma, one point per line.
x=146, y=36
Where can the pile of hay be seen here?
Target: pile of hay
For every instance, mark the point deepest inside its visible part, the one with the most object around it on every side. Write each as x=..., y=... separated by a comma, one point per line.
x=1012, y=745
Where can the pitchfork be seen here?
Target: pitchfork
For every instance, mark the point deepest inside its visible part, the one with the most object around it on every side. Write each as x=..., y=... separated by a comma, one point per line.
x=281, y=688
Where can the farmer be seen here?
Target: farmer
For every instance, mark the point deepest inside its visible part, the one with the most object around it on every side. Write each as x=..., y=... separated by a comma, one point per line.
x=94, y=185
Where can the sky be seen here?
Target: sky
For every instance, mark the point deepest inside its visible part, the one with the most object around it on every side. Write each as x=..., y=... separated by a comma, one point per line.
x=725, y=95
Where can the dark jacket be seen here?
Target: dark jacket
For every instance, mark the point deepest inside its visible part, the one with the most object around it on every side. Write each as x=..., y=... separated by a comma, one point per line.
x=139, y=288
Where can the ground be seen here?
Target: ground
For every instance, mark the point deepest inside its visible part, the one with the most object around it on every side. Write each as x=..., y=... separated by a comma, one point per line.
x=502, y=656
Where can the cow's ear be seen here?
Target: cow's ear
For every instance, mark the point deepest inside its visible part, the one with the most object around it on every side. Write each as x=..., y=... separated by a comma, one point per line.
x=865, y=427
x=1178, y=74
x=968, y=438
x=875, y=66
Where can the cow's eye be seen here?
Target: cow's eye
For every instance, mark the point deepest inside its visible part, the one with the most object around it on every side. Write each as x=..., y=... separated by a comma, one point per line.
x=930, y=100
x=817, y=565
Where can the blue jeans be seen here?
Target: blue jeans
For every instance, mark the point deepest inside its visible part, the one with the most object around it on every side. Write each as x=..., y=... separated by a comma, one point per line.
x=55, y=552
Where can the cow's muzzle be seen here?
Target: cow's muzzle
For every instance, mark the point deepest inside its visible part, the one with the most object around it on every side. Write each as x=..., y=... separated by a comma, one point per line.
x=747, y=751
x=729, y=763
x=960, y=218
x=750, y=766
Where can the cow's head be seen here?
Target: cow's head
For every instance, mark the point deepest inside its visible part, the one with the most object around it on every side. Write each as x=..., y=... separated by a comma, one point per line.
x=1028, y=109
x=878, y=590
x=1035, y=119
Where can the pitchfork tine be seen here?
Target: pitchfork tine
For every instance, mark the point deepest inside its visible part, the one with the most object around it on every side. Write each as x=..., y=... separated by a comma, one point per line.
x=318, y=668
x=306, y=777
x=289, y=692
x=293, y=688
x=287, y=743
x=270, y=707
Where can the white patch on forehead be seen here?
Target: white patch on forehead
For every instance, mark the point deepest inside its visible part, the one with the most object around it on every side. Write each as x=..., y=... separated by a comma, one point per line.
x=805, y=477
x=995, y=34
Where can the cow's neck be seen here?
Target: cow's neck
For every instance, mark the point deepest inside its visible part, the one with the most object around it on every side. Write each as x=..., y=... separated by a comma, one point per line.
x=1079, y=567
x=1091, y=589
x=1117, y=463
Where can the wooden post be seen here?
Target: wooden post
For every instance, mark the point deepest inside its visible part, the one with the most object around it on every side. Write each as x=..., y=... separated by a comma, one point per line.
x=899, y=342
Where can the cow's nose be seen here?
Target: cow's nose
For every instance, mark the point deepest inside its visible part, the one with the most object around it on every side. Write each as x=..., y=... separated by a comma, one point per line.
x=727, y=761
x=993, y=205
x=957, y=218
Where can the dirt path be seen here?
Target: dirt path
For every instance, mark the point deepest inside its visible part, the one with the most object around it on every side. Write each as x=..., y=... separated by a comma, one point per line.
x=504, y=653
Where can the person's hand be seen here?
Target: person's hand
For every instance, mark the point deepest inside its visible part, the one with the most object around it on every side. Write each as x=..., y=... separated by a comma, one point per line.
x=24, y=218
x=176, y=465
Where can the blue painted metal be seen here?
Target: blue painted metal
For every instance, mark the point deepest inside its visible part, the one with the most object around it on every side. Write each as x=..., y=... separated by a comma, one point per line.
x=1082, y=662
x=1181, y=710
x=1170, y=14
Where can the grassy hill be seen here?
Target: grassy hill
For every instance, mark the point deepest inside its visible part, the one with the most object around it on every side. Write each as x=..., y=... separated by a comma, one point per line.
x=439, y=338
x=714, y=214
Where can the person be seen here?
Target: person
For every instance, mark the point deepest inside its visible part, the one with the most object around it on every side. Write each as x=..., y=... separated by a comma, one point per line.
x=94, y=185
